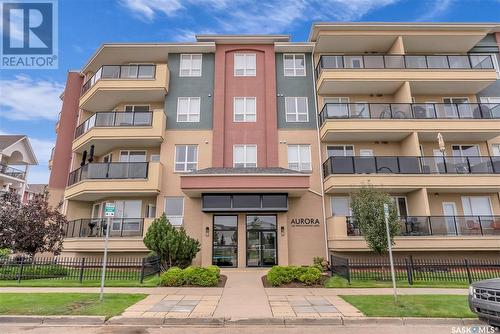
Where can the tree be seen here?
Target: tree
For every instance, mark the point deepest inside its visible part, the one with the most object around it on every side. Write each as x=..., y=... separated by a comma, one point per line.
x=174, y=247
x=31, y=228
x=367, y=205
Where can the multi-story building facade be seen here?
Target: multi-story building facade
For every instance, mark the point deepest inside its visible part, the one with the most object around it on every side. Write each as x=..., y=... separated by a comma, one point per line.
x=254, y=143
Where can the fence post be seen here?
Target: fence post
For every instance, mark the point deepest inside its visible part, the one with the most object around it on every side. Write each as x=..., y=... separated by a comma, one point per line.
x=408, y=272
x=82, y=266
x=20, y=270
x=142, y=269
x=348, y=271
x=468, y=271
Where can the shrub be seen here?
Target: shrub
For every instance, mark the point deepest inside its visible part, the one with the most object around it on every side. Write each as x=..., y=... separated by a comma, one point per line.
x=320, y=263
x=215, y=269
x=310, y=276
x=279, y=275
x=172, y=277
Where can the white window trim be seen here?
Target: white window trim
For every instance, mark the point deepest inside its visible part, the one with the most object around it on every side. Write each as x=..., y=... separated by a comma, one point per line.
x=198, y=114
x=461, y=150
x=128, y=154
x=135, y=105
x=294, y=68
x=300, y=161
x=174, y=216
x=344, y=146
x=191, y=63
x=148, y=209
x=296, y=113
x=245, y=114
x=245, y=69
x=185, y=162
x=245, y=162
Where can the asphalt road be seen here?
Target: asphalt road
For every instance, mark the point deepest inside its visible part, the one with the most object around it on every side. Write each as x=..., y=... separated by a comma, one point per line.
x=382, y=329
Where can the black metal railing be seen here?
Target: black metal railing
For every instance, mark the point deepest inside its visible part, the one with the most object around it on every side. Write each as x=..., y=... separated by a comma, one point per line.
x=386, y=61
x=439, y=225
x=115, y=119
x=411, y=165
x=96, y=227
x=409, y=111
x=109, y=170
x=127, y=72
x=11, y=171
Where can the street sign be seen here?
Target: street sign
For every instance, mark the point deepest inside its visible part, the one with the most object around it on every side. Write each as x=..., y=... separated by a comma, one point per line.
x=109, y=210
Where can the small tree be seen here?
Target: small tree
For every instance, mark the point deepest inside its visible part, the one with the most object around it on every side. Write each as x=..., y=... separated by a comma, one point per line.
x=174, y=247
x=367, y=206
x=31, y=228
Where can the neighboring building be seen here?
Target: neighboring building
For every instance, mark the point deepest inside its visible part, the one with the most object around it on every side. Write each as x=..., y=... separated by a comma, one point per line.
x=253, y=143
x=31, y=190
x=16, y=155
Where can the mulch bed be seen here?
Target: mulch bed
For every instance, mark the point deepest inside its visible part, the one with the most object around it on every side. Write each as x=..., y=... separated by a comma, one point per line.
x=296, y=284
x=221, y=284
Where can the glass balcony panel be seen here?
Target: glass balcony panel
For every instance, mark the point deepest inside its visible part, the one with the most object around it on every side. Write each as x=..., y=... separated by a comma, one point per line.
x=394, y=61
x=110, y=72
x=481, y=61
x=415, y=226
x=342, y=165
x=495, y=164
x=459, y=62
x=354, y=62
x=401, y=110
x=374, y=61
x=105, y=119
x=456, y=165
x=337, y=110
x=97, y=171
x=468, y=225
x=359, y=110
x=490, y=225
x=415, y=62
x=124, y=119
x=437, y=62
x=432, y=165
x=409, y=165
x=146, y=71
x=490, y=110
x=332, y=62
x=387, y=165
x=143, y=118
x=443, y=225
x=364, y=165
x=129, y=72
x=379, y=110
x=118, y=170
x=480, y=165
x=137, y=170
x=424, y=110
x=465, y=110
x=449, y=110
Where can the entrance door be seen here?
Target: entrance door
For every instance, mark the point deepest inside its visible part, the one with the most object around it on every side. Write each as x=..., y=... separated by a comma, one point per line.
x=225, y=241
x=449, y=212
x=261, y=241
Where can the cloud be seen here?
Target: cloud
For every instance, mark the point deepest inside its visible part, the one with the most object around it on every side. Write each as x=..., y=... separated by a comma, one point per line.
x=263, y=17
x=437, y=9
x=23, y=98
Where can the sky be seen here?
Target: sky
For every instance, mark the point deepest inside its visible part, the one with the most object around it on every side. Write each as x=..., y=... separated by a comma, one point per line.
x=29, y=99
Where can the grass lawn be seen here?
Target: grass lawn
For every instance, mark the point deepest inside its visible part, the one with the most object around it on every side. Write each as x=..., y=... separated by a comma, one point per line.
x=150, y=281
x=66, y=303
x=340, y=282
x=431, y=306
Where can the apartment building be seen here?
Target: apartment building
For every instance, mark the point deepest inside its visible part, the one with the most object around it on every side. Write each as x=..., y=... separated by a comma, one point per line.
x=413, y=110
x=16, y=155
x=253, y=144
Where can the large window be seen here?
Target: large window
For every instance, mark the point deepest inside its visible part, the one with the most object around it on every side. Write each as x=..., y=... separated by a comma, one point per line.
x=225, y=241
x=294, y=65
x=188, y=109
x=340, y=151
x=296, y=109
x=190, y=65
x=245, y=65
x=127, y=216
x=244, y=202
x=174, y=210
x=341, y=206
x=299, y=157
x=186, y=158
x=245, y=156
x=244, y=109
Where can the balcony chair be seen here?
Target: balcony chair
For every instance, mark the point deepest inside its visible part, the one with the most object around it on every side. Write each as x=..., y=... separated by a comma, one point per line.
x=495, y=225
x=473, y=226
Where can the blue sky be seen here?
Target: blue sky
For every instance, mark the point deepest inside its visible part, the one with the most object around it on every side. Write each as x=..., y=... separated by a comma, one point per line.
x=29, y=99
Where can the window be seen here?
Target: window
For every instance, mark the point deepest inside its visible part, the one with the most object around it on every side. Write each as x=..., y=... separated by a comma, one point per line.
x=154, y=158
x=188, y=109
x=151, y=211
x=341, y=206
x=190, y=65
x=244, y=109
x=495, y=148
x=127, y=214
x=294, y=65
x=299, y=157
x=336, y=106
x=136, y=108
x=465, y=150
x=132, y=156
x=174, y=210
x=296, y=109
x=186, y=158
x=245, y=65
x=245, y=156
x=340, y=151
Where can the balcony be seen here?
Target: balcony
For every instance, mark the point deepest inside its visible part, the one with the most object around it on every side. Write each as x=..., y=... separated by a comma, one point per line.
x=12, y=172
x=106, y=130
x=113, y=84
x=96, y=228
x=95, y=181
x=384, y=73
x=408, y=173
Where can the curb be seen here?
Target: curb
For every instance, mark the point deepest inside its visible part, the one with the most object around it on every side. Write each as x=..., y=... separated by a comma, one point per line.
x=53, y=320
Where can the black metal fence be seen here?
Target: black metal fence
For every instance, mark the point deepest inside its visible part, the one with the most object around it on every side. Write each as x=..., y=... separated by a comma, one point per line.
x=96, y=227
x=115, y=119
x=415, y=270
x=78, y=269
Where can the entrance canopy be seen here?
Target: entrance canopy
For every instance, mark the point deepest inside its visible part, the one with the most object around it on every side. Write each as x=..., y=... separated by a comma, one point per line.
x=245, y=180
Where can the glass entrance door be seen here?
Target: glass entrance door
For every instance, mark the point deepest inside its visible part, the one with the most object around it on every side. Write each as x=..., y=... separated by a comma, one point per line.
x=225, y=241
x=261, y=241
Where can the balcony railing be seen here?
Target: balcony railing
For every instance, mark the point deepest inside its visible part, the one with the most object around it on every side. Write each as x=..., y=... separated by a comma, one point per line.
x=439, y=226
x=411, y=165
x=109, y=170
x=127, y=72
x=409, y=111
x=12, y=172
x=96, y=227
x=385, y=61
x=115, y=119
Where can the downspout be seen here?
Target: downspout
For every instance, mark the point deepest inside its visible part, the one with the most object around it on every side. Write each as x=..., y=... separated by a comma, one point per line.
x=319, y=152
